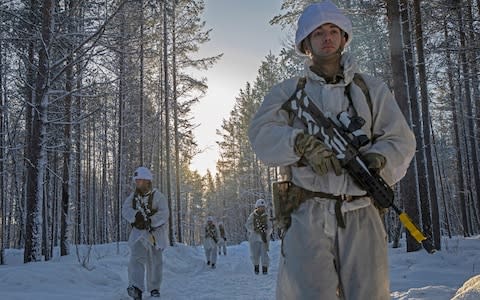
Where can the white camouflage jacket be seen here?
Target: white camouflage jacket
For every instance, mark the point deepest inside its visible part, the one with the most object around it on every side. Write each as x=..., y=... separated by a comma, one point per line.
x=158, y=235
x=272, y=138
x=255, y=236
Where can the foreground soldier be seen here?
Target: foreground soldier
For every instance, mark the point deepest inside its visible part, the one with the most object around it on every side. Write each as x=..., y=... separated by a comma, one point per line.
x=146, y=210
x=259, y=230
x=210, y=242
x=335, y=246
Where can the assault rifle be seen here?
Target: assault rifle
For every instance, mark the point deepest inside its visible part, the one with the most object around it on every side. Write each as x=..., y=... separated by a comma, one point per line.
x=344, y=141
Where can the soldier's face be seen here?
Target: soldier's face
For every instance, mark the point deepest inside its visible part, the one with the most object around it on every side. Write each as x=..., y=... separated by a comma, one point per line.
x=261, y=209
x=142, y=184
x=326, y=40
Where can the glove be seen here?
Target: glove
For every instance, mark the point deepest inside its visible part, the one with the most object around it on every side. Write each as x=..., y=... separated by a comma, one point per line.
x=140, y=221
x=318, y=155
x=375, y=161
x=264, y=237
x=225, y=239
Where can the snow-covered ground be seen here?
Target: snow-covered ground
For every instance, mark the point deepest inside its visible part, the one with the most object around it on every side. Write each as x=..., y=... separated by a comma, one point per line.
x=416, y=275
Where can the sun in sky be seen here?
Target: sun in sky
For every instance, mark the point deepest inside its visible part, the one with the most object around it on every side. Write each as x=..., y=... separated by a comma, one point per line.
x=241, y=31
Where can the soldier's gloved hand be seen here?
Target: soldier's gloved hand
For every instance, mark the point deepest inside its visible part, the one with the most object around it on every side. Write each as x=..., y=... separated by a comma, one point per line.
x=140, y=221
x=318, y=155
x=375, y=161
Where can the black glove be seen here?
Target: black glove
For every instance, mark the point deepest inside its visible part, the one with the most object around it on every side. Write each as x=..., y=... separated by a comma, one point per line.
x=264, y=237
x=140, y=222
x=225, y=239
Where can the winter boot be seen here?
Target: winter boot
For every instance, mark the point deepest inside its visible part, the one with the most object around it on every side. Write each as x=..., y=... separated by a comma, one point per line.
x=264, y=270
x=134, y=292
x=155, y=293
x=208, y=263
x=257, y=269
x=213, y=266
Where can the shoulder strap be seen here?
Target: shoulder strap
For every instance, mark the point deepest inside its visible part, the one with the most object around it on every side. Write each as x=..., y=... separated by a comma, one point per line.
x=134, y=200
x=358, y=79
x=150, y=200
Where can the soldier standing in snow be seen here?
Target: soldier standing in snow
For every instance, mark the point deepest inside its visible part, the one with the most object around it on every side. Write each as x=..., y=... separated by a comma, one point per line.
x=222, y=241
x=259, y=230
x=210, y=242
x=335, y=246
x=146, y=209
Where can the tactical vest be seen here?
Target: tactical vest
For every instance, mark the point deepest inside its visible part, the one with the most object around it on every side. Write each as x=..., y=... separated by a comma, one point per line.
x=149, y=210
x=285, y=173
x=210, y=231
x=260, y=222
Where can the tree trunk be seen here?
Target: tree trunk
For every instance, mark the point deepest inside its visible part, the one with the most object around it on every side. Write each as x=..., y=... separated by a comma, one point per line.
x=457, y=132
x=470, y=142
x=67, y=154
x=431, y=225
x=121, y=99
x=104, y=197
x=416, y=124
x=167, y=122
x=2, y=151
x=142, y=151
x=36, y=158
x=409, y=186
x=473, y=40
x=175, y=116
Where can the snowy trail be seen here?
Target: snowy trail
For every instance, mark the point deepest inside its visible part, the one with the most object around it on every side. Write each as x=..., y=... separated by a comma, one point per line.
x=232, y=279
x=418, y=275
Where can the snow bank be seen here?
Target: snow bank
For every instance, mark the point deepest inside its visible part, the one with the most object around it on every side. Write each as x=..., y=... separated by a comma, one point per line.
x=470, y=290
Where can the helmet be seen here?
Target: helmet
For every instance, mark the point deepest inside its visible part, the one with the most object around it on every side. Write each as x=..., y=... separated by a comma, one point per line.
x=317, y=14
x=209, y=219
x=260, y=202
x=142, y=173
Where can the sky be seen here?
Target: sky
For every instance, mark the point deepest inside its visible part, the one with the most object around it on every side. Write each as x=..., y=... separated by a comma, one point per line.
x=186, y=276
x=241, y=31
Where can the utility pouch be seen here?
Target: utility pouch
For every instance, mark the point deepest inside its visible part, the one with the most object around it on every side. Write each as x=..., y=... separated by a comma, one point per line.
x=283, y=205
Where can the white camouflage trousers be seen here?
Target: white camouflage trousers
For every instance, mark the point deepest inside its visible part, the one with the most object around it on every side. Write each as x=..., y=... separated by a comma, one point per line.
x=145, y=257
x=222, y=247
x=323, y=261
x=259, y=250
x=211, y=254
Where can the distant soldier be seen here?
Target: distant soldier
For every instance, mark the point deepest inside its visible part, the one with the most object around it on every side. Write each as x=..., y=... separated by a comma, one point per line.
x=146, y=209
x=259, y=229
x=210, y=242
x=222, y=242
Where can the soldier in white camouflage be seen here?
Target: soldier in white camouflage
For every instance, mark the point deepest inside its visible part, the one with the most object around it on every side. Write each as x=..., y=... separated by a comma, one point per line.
x=259, y=229
x=335, y=246
x=146, y=209
x=210, y=242
x=222, y=241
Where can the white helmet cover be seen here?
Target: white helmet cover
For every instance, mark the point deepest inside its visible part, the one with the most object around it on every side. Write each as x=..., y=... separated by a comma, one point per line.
x=260, y=202
x=143, y=173
x=317, y=14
